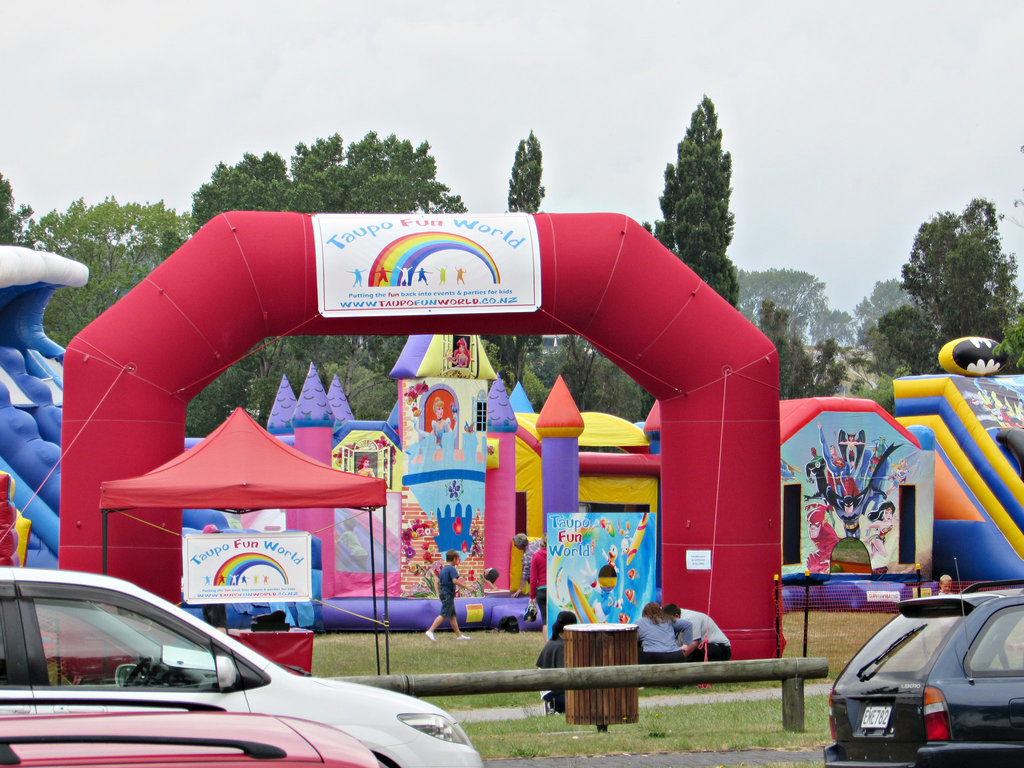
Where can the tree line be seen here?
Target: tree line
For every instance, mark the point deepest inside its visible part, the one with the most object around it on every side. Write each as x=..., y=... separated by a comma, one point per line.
x=957, y=280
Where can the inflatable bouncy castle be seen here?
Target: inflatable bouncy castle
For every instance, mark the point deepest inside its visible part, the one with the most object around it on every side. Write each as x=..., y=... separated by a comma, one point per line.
x=31, y=395
x=852, y=473
x=465, y=472
x=977, y=416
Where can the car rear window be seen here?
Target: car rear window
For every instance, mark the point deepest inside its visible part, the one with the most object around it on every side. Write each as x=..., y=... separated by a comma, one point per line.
x=905, y=647
x=999, y=649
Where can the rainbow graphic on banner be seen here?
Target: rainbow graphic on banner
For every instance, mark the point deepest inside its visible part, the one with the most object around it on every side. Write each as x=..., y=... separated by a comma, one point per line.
x=233, y=569
x=409, y=252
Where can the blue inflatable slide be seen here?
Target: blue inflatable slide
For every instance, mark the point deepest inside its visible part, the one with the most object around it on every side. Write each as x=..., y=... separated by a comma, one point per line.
x=31, y=387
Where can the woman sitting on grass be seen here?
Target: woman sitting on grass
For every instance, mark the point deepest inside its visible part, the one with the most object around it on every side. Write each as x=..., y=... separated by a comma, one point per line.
x=552, y=656
x=656, y=633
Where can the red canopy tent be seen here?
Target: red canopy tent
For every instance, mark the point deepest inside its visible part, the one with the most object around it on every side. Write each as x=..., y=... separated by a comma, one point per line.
x=240, y=466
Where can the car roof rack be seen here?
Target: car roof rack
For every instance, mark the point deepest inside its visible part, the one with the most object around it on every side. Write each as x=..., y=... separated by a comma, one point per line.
x=978, y=586
x=253, y=749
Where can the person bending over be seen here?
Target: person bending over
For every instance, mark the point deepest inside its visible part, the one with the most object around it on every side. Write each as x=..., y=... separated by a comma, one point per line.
x=709, y=642
x=656, y=634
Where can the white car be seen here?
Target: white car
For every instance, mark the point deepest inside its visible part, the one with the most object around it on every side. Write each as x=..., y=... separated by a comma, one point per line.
x=81, y=642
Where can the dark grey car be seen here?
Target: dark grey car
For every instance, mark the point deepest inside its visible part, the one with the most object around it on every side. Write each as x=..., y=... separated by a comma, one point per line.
x=941, y=684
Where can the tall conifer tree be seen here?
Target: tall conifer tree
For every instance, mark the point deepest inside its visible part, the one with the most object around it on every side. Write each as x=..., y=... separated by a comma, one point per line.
x=525, y=194
x=525, y=191
x=698, y=224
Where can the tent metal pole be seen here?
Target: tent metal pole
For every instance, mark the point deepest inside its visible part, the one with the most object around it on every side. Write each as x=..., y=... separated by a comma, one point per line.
x=387, y=620
x=105, y=512
x=373, y=588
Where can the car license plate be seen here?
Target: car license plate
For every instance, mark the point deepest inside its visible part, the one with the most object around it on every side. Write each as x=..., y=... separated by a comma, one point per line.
x=875, y=717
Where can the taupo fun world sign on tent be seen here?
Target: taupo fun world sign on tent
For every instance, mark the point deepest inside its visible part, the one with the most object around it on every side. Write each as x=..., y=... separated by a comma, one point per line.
x=246, y=567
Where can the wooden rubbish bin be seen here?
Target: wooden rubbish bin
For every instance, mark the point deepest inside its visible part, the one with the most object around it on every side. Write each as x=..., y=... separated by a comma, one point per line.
x=601, y=645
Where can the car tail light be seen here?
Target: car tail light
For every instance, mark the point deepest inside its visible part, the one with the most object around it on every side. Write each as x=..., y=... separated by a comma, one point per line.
x=936, y=715
x=831, y=716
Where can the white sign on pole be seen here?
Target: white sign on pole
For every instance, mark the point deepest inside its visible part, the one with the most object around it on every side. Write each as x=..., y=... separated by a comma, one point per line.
x=402, y=264
x=247, y=567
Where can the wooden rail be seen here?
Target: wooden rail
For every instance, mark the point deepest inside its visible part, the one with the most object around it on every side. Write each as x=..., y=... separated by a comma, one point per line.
x=790, y=672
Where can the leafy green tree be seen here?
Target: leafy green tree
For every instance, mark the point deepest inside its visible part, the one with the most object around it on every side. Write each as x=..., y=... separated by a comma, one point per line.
x=832, y=324
x=320, y=177
x=959, y=276
x=794, y=362
x=525, y=191
x=698, y=224
x=801, y=293
x=536, y=391
x=362, y=364
x=545, y=366
x=881, y=391
x=905, y=339
x=254, y=184
x=887, y=295
x=232, y=389
x=13, y=220
x=120, y=244
x=508, y=355
x=817, y=373
x=374, y=175
x=862, y=369
x=390, y=176
x=828, y=370
x=595, y=382
x=578, y=367
x=612, y=391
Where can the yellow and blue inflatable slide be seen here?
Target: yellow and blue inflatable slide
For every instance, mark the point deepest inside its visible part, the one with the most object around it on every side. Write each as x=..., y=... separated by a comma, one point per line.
x=979, y=494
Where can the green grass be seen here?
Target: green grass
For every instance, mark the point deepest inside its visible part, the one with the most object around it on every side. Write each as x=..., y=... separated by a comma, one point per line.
x=701, y=727
x=836, y=635
x=693, y=728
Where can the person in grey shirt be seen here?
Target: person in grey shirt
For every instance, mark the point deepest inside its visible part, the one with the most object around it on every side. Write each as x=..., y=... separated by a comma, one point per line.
x=709, y=643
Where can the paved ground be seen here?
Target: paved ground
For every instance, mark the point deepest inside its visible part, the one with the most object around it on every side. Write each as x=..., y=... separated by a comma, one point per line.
x=667, y=760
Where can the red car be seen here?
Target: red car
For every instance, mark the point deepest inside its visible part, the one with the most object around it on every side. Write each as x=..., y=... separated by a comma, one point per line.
x=177, y=740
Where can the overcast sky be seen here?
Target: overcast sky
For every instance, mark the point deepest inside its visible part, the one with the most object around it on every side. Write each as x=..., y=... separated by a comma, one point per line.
x=849, y=123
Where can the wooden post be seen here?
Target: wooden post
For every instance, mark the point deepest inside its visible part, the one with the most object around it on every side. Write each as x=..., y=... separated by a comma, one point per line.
x=793, y=704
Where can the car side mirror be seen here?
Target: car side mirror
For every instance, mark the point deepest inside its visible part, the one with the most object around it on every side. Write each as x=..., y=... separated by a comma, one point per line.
x=227, y=672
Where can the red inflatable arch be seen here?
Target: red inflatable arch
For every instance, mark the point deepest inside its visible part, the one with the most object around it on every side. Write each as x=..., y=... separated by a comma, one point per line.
x=247, y=276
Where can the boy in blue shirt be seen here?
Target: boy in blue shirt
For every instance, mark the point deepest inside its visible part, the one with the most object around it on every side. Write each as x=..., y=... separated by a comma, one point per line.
x=447, y=580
